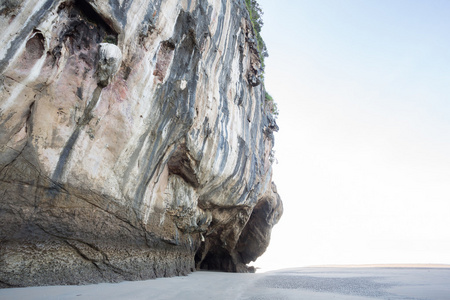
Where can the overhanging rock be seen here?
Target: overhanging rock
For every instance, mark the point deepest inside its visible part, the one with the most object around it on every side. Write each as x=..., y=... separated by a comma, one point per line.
x=132, y=143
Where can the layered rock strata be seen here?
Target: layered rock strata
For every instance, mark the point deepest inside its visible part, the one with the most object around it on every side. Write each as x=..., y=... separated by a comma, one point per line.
x=134, y=141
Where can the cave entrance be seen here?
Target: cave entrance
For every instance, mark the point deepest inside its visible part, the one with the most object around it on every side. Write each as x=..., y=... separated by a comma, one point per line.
x=216, y=259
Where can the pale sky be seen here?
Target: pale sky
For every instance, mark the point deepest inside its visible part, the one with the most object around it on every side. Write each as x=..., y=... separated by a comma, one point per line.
x=363, y=89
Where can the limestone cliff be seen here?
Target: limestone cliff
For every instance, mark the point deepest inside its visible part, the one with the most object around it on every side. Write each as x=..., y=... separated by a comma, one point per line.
x=134, y=140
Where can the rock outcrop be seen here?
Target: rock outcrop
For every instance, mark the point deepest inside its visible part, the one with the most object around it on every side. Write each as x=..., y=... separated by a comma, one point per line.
x=134, y=141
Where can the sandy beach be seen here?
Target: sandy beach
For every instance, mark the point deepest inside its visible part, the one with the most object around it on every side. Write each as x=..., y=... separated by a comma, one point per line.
x=417, y=283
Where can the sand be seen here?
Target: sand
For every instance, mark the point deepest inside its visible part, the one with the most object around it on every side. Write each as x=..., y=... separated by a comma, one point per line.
x=418, y=283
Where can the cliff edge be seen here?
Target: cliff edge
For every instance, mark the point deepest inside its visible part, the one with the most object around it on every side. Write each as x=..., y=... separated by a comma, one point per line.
x=135, y=141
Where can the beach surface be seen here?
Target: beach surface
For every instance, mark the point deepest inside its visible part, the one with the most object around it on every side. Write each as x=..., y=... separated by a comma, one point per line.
x=412, y=283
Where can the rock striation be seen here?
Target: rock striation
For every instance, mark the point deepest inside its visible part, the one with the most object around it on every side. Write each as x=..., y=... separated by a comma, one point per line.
x=134, y=141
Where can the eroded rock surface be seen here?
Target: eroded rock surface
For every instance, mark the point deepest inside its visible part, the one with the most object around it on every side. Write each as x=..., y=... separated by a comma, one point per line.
x=134, y=141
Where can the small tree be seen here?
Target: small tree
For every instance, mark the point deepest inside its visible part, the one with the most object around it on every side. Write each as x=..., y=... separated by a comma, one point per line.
x=256, y=14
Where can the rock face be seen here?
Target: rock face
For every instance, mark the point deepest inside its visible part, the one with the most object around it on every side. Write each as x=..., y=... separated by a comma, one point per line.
x=134, y=141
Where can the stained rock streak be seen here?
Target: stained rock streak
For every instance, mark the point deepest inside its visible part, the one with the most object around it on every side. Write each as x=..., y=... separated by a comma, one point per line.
x=135, y=141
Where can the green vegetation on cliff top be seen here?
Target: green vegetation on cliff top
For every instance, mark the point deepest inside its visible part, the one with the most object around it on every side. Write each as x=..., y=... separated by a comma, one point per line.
x=256, y=14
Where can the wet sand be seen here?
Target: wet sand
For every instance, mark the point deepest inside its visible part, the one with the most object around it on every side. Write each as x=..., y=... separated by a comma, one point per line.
x=412, y=283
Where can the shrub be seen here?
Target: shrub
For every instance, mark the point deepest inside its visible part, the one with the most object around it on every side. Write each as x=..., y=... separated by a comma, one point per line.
x=256, y=14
